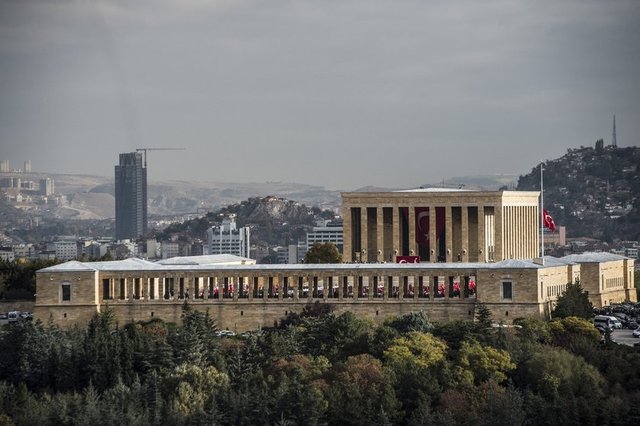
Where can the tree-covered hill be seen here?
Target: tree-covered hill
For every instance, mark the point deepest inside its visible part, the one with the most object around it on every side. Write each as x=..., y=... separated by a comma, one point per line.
x=594, y=192
x=273, y=220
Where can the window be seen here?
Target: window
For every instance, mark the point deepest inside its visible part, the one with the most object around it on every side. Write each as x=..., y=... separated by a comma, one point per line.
x=106, y=289
x=66, y=292
x=507, y=290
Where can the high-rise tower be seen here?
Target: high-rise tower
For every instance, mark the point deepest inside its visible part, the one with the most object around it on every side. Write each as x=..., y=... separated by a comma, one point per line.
x=613, y=136
x=131, y=196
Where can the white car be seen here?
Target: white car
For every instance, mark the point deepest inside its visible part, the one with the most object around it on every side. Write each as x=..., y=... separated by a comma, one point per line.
x=616, y=322
x=636, y=332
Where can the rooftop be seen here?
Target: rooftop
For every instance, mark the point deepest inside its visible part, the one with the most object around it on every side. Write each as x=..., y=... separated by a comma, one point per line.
x=436, y=190
x=591, y=257
x=236, y=263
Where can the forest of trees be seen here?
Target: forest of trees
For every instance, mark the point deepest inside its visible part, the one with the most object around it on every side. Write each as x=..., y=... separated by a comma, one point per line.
x=314, y=368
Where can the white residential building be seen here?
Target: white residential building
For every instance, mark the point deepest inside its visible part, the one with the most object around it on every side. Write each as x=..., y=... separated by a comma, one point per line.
x=170, y=249
x=24, y=251
x=7, y=255
x=66, y=250
x=325, y=234
x=228, y=239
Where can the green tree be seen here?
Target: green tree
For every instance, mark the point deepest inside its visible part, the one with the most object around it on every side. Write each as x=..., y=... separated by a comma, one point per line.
x=195, y=341
x=191, y=388
x=477, y=364
x=415, y=351
x=336, y=337
x=571, y=385
x=486, y=404
x=19, y=278
x=413, y=321
x=573, y=302
x=361, y=392
x=297, y=386
x=418, y=361
x=323, y=253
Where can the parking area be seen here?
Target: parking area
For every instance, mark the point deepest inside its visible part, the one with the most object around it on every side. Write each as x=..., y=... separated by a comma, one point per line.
x=624, y=337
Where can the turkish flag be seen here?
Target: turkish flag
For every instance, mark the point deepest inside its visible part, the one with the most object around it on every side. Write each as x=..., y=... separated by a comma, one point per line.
x=547, y=221
x=422, y=226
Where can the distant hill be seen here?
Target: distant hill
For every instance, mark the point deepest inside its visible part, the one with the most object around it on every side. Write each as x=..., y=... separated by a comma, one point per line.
x=479, y=182
x=92, y=197
x=274, y=220
x=593, y=192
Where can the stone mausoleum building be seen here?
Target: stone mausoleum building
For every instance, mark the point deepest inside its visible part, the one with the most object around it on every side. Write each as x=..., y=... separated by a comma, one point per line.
x=441, y=225
x=484, y=250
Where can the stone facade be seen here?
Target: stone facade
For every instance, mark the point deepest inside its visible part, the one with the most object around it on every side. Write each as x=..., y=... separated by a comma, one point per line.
x=248, y=296
x=607, y=277
x=441, y=225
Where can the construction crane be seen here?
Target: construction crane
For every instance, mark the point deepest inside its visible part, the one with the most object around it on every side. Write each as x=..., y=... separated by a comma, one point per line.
x=156, y=149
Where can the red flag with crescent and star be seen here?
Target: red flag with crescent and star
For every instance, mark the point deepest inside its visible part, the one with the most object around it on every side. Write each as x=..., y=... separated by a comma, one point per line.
x=548, y=221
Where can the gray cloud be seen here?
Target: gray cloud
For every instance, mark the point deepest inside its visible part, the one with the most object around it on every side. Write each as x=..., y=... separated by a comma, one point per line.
x=337, y=93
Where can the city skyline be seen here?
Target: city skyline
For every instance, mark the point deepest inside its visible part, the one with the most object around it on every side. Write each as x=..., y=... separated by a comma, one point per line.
x=341, y=95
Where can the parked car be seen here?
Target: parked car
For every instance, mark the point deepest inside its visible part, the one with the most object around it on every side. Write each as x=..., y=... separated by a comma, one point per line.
x=617, y=324
x=603, y=323
x=14, y=316
x=636, y=332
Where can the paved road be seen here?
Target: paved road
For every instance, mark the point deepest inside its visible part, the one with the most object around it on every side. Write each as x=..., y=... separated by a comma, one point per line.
x=624, y=337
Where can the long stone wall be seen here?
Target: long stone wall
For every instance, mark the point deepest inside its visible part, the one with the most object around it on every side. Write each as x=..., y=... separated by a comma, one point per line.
x=246, y=315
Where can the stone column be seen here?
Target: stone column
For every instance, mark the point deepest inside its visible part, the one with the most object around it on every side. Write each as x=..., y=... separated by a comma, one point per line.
x=498, y=233
x=380, y=234
x=237, y=287
x=482, y=255
x=313, y=287
x=364, y=235
x=396, y=233
x=433, y=247
x=413, y=248
x=325, y=287
x=416, y=286
x=464, y=227
x=295, y=287
x=150, y=288
x=448, y=234
x=385, y=290
x=347, y=249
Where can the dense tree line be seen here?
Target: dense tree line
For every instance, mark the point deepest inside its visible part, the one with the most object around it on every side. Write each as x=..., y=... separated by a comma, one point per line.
x=317, y=367
x=18, y=279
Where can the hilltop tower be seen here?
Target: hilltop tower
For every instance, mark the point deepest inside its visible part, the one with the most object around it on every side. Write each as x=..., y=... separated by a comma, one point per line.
x=613, y=136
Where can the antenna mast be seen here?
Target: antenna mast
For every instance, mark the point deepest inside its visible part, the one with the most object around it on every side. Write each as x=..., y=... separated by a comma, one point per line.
x=613, y=137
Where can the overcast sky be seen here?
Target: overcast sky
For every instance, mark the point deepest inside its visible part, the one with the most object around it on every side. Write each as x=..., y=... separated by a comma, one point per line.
x=335, y=93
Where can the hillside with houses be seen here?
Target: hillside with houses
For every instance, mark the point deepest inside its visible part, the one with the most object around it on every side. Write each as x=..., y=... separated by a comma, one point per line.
x=593, y=191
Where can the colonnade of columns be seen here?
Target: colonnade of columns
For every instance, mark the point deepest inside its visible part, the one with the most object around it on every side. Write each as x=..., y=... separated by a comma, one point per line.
x=286, y=286
x=455, y=233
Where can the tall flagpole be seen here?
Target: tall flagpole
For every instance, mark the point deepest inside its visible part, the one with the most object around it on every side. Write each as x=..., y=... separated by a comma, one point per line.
x=541, y=213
